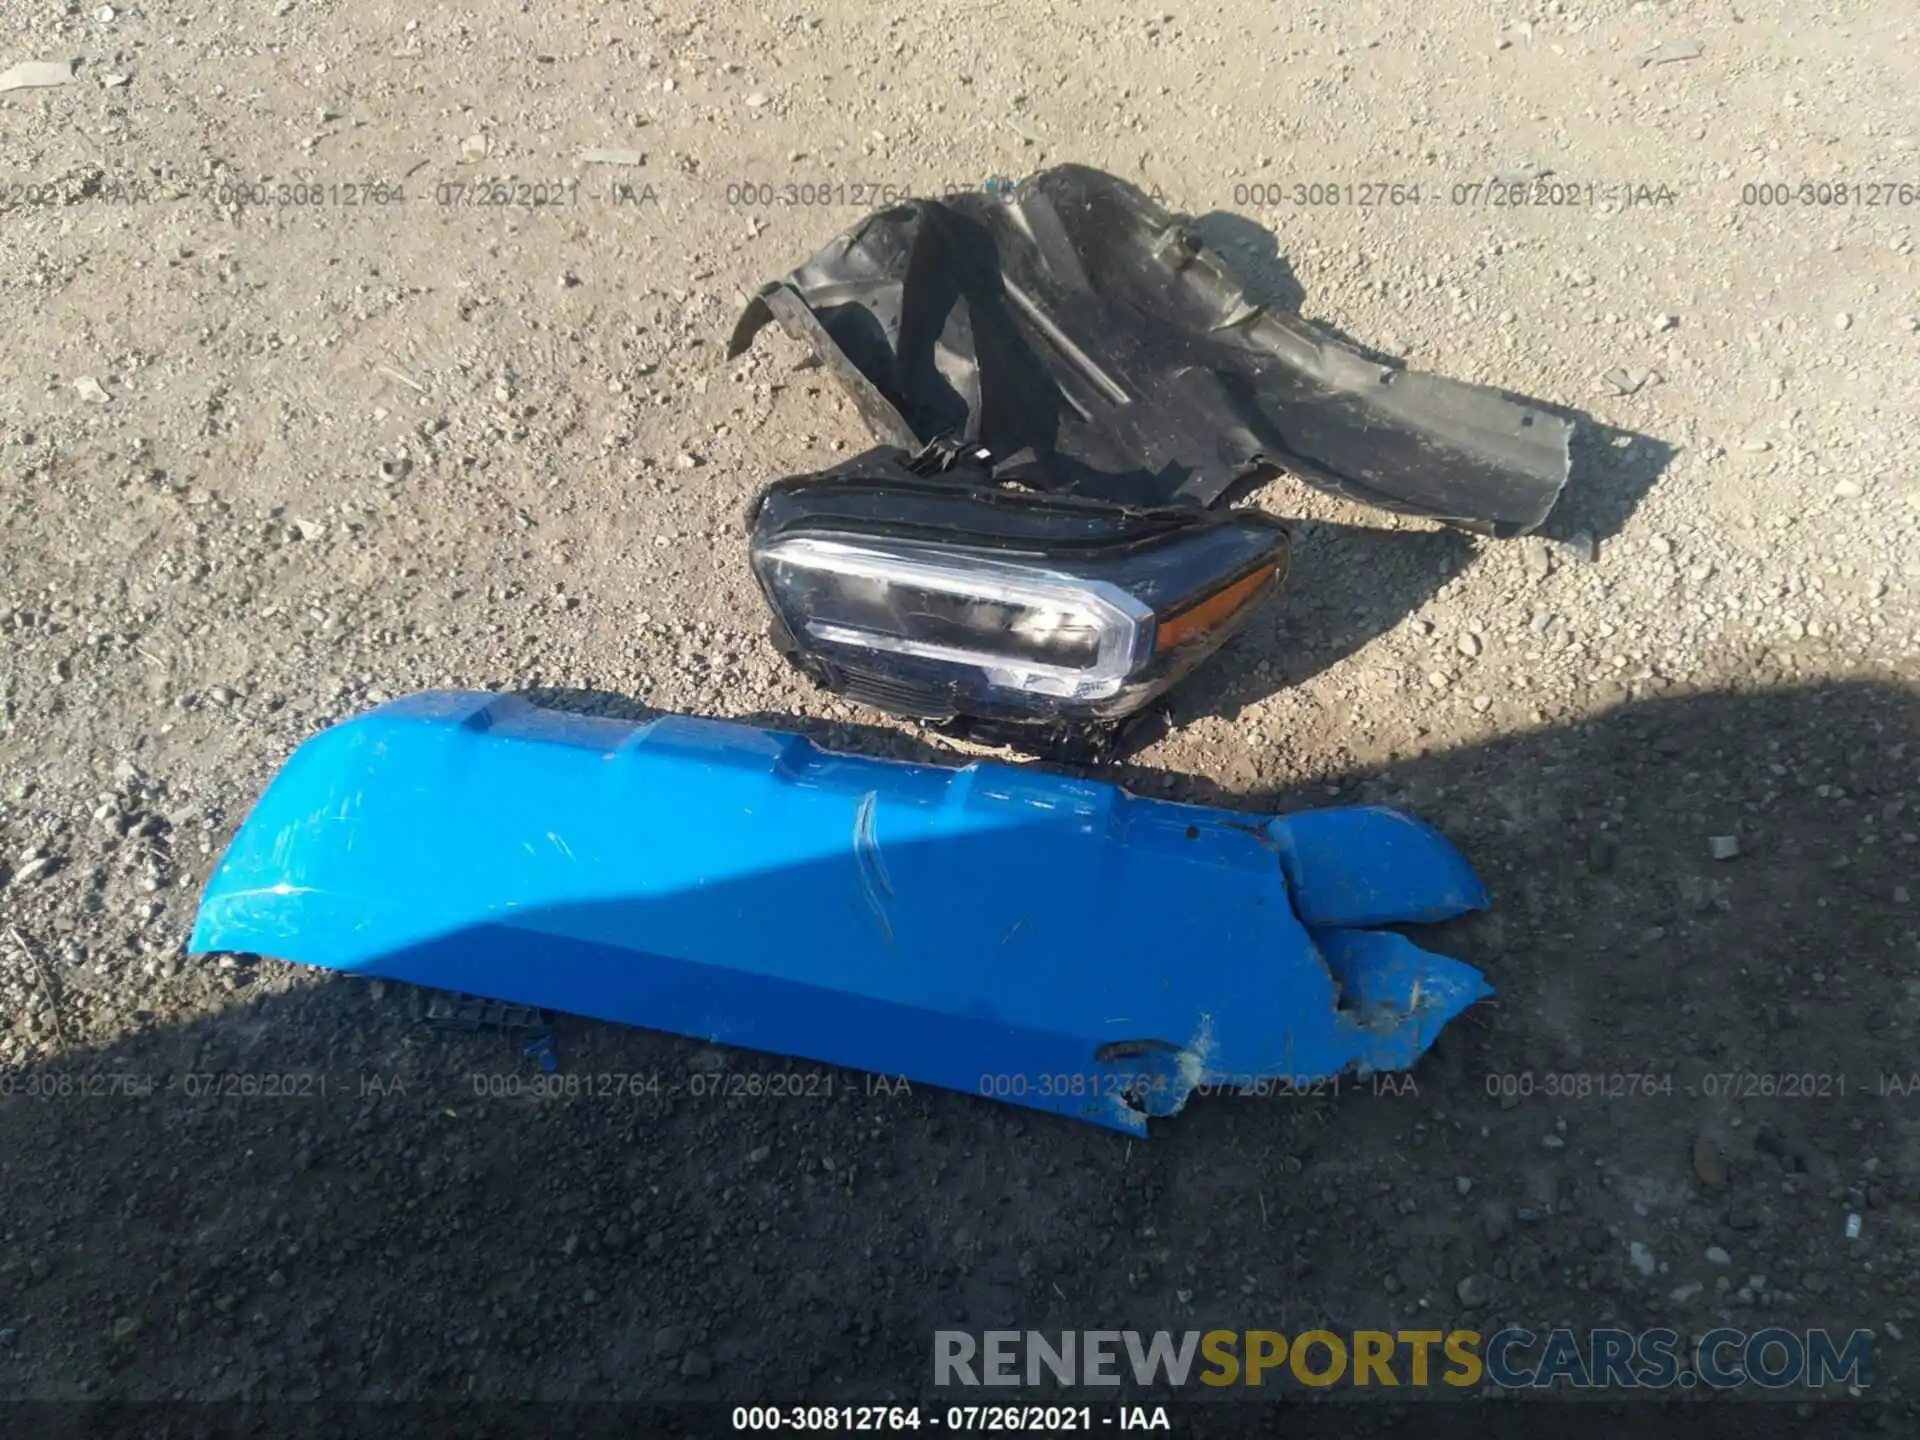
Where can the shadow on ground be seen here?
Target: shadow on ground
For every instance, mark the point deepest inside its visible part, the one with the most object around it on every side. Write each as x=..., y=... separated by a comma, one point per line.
x=316, y=1197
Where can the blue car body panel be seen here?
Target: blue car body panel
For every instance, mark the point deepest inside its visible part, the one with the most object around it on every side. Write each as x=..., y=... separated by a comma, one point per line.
x=1051, y=941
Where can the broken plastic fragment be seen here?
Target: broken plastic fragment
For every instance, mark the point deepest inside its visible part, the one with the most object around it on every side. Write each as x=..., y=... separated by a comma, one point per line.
x=35, y=75
x=1670, y=52
x=1045, y=940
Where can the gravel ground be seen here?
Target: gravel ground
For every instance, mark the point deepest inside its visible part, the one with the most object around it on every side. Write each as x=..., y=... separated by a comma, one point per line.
x=263, y=464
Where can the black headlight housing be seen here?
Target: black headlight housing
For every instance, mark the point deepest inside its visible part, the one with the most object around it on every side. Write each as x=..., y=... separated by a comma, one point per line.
x=946, y=595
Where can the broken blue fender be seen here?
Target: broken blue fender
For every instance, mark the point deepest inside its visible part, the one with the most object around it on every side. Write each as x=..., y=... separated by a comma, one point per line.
x=1049, y=941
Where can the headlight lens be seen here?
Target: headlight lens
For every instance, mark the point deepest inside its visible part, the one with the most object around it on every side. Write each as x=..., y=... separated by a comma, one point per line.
x=1024, y=627
x=937, y=597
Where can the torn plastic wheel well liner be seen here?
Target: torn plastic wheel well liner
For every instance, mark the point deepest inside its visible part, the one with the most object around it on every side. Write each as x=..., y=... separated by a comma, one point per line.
x=1058, y=328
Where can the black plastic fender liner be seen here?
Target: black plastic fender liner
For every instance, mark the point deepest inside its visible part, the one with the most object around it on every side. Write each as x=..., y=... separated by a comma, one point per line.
x=1094, y=345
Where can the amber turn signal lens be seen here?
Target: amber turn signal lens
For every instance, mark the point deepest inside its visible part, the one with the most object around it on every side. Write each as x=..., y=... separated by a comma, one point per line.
x=1197, y=619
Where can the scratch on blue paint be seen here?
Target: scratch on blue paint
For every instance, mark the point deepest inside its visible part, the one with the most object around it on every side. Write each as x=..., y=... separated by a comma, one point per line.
x=874, y=880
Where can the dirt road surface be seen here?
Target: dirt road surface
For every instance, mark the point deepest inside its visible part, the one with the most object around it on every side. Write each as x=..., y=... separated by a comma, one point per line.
x=331, y=370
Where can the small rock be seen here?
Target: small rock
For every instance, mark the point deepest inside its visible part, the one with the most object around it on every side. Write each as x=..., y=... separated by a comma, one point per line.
x=759, y=1154
x=1666, y=322
x=668, y=1341
x=1894, y=1332
x=33, y=869
x=1642, y=1258
x=1538, y=557
x=696, y=1366
x=1581, y=546
x=1709, y=1164
x=474, y=148
x=1849, y=490
x=1469, y=644
x=1843, y=321
x=756, y=100
x=1553, y=1142
x=1497, y=1222
x=1756, y=447
x=1717, y=1256
x=124, y=1326
x=310, y=529
x=1683, y=1293
x=91, y=390
x=1602, y=848
x=105, y=15
x=1462, y=1186
x=1723, y=847
x=686, y=461
x=1474, y=1290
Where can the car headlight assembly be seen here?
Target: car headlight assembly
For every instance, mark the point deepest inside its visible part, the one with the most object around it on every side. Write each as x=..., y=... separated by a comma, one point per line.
x=945, y=596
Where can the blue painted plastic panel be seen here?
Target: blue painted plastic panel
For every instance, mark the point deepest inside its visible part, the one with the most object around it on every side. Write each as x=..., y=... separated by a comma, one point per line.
x=989, y=929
